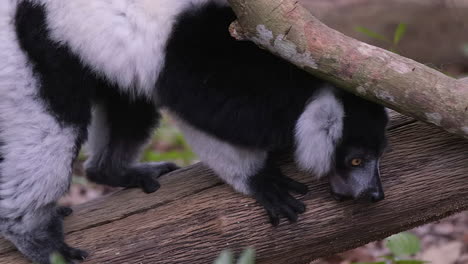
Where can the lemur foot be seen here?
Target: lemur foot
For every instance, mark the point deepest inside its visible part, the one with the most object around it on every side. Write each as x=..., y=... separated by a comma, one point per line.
x=142, y=175
x=46, y=238
x=272, y=190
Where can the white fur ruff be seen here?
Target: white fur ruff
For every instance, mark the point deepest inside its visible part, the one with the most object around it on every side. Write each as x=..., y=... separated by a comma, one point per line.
x=318, y=131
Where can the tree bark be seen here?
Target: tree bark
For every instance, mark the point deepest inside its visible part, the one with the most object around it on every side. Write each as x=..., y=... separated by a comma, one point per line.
x=287, y=29
x=193, y=217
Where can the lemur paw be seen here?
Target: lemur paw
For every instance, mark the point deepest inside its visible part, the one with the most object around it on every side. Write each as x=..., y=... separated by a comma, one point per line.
x=70, y=255
x=46, y=238
x=142, y=175
x=273, y=192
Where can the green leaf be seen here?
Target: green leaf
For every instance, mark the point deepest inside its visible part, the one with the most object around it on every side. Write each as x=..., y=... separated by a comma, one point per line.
x=225, y=257
x=403, y=244
x=392, y=258
x=399, y=33
x=175, y=155
x=408, y=261
x=371, y=33
x=247, y=257
x=56, y=258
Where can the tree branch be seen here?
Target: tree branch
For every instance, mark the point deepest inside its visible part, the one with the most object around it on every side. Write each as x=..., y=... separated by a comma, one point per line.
x=287, y=29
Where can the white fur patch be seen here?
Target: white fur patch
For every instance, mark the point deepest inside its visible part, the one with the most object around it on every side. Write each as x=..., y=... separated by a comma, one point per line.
x=37, y=151
x=122, y=39
x=231, y=163
x=318, y=130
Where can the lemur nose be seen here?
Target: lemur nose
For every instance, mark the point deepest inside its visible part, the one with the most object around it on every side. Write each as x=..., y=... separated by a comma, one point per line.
x=372, y=196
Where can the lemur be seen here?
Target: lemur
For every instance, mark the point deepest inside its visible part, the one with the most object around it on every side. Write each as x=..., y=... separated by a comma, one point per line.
x=107, y=67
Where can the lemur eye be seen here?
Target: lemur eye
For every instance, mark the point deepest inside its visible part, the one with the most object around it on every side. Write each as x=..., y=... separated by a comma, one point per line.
x=356, y=162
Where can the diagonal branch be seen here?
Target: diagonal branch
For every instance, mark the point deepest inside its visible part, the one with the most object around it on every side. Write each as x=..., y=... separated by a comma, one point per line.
x=287, y=29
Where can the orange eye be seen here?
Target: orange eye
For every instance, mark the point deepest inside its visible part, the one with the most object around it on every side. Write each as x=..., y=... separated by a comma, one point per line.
x=356, y=162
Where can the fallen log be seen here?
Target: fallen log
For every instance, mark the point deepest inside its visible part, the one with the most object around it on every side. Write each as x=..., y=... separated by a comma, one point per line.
x=194, y=216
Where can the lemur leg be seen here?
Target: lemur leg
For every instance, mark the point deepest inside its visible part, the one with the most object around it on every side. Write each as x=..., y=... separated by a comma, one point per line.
x=271, y=188
x=120, y=128
x=37, y=153
x=38, y=144
x=35, y=171
x=249, y=171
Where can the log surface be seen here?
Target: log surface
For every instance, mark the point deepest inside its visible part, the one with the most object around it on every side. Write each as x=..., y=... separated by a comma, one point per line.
x=194, y=216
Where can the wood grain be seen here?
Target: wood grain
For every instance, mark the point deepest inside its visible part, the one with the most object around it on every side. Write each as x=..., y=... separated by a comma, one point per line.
x=194, y=216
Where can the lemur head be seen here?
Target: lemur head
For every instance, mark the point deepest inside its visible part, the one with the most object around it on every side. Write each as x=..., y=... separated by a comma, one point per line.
x=356, y=172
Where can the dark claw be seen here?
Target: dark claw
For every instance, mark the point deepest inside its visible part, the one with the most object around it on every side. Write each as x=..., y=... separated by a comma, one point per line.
x=47, y=237
x=278, y=202
x=71, y=254
x=273, y=214
x=271, y=188
x=168, y=168
x=287, y=211
x=150, y=171
x=141, y=175
x=149, y=185
x=295, y=204
x=274, y=219
x=294, y=186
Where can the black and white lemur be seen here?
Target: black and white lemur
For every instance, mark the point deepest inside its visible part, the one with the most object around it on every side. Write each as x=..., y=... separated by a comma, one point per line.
x=108, y=66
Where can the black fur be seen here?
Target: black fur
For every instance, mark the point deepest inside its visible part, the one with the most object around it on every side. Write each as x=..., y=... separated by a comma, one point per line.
x=231, y=89
x=65, y=84
x=69, y=88
x=240, y=93
x=66, y=87
x=129, y=118
x=39, y=244
x=364, y=123
x=272, y=189
x=1, y=155
x=131, y=122
x=363, y=130
x=248, y=97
